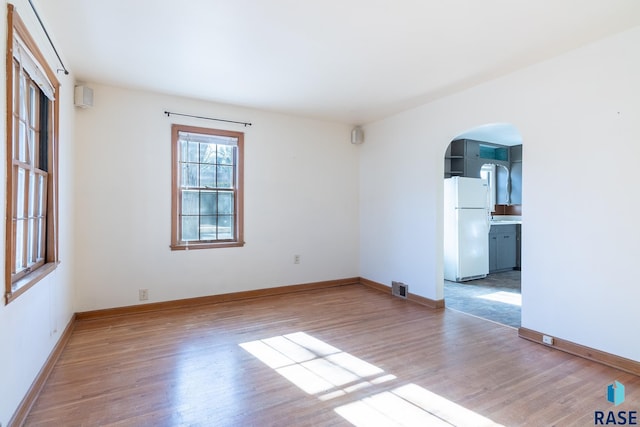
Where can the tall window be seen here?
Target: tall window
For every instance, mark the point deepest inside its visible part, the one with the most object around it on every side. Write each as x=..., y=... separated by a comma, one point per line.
x=31, y=226
x=207, y=188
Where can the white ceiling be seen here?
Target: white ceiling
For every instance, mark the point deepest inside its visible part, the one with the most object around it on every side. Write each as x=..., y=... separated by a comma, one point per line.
x=352, y=61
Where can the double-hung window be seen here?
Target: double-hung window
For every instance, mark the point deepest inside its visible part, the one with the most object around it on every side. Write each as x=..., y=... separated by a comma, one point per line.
x=32, y=114
x=207, y=196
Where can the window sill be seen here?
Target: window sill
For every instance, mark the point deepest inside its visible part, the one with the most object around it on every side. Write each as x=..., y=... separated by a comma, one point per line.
x=25, y=283
x=208, y=245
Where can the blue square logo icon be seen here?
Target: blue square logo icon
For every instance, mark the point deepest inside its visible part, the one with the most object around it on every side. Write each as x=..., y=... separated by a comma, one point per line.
x=615, y=393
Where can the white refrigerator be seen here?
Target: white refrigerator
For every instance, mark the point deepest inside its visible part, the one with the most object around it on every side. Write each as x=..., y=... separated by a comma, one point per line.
x=466, y=229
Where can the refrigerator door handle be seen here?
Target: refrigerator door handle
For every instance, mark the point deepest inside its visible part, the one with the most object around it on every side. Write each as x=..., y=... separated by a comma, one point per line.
x=488, y=221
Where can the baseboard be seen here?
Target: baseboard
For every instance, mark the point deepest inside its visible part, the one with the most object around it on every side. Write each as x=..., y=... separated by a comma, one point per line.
x=605, y=358
x=435, y=304
x=21, y=413
x=212, y=299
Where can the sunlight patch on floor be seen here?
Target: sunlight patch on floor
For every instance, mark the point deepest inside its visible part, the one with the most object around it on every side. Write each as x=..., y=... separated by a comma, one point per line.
x=505, y=297
x=325, y=371
x=387, y=409
x=410, y=405
x=315, y=366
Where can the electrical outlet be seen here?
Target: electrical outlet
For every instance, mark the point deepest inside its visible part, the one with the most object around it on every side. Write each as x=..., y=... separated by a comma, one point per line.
x=143, y=294
x=296, y=259
x=547, y=340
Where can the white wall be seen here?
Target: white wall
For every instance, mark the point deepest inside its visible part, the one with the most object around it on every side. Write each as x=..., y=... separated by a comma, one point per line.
x=578, y=115
x=301, y=197
x=31, y=325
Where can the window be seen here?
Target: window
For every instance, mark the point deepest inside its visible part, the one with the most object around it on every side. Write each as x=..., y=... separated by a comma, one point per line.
x=207, y=188
x=488, y=173
x=32, y=116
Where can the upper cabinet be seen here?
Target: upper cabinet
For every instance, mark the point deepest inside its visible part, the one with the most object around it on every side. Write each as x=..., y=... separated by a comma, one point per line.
x=494, y=153
x=454, y=159
x=465, y=157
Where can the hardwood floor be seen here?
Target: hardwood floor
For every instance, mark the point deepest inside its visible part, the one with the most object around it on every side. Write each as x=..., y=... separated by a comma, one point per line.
x=340, y=356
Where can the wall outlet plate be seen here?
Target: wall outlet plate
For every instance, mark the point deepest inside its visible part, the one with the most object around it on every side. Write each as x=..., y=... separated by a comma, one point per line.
x=547, y=340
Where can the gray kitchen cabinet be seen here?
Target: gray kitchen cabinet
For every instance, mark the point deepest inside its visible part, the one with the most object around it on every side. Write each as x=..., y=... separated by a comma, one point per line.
x=465, y=157
x=472, y=158
x=518, y=246
x=502, y=248
x=454, y=159
x=493, y=251
x=472, y=147
x=462, y=159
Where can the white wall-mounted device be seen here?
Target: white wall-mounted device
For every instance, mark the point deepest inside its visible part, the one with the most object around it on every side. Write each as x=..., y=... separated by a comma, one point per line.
x=83, y=96
x=357, y=135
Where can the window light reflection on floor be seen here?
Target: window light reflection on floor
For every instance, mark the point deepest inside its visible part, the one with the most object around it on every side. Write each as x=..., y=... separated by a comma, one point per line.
x=505, y=297
x=325, y=371
x=313, y=365
x=387, y=409
x=410, y=405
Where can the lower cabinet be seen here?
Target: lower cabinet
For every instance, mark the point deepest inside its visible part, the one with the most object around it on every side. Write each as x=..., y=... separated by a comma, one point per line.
x=502, y=248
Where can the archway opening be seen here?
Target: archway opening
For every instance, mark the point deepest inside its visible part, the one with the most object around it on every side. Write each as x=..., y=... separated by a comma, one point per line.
x=483, y=223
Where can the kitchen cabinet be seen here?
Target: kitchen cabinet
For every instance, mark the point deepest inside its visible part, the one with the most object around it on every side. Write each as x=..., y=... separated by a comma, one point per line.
x=454, y=159
x=465, y=157
x=519, y=247
x=502, y=247
x=494, y=153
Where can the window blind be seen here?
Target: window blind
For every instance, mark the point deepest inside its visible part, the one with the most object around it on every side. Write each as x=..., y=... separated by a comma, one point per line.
x=32, y=67
x=207, y=139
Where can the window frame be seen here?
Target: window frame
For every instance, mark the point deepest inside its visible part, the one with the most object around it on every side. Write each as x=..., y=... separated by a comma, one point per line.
x=18, y=284
x=176, y=187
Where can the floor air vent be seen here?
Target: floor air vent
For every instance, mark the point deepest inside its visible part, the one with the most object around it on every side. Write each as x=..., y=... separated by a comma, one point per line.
x=399, y=289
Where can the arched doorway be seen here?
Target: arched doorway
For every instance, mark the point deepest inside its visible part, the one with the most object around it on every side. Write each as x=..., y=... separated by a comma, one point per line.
x=483, y=223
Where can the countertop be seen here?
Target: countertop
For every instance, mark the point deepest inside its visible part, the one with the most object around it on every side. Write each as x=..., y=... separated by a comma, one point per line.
x=506, y=220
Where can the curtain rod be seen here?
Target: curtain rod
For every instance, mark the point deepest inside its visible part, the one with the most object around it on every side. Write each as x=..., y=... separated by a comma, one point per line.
x=66, y=72
x=169, y=113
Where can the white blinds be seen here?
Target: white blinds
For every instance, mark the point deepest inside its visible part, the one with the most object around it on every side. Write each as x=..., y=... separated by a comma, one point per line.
x=32, y=66
x=207, y=139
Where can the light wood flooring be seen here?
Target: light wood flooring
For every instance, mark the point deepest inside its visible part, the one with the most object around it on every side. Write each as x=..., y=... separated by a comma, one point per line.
x=348, y=355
